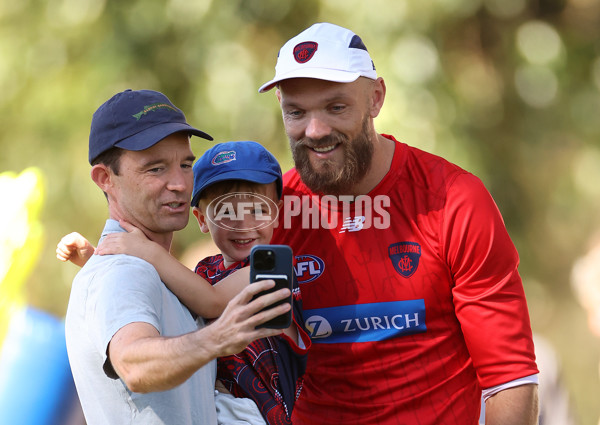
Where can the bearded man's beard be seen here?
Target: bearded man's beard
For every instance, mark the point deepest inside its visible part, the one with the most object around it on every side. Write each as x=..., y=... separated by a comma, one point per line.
x=331, y=179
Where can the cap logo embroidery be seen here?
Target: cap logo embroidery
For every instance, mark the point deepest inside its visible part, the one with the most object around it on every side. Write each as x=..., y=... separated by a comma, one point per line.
x=153, y=107
x=303, y=52
x=223, y=157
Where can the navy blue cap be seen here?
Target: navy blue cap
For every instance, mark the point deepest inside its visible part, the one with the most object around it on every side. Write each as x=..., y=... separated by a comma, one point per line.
x=136, y=120
x=248, y=161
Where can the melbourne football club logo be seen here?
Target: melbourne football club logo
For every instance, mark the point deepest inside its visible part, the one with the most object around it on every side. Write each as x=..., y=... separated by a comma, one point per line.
x=405, y=257
x=303, y=52
x=308, y=268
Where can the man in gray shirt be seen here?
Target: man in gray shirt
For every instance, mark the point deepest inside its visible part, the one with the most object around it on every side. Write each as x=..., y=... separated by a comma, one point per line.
x=137, y=354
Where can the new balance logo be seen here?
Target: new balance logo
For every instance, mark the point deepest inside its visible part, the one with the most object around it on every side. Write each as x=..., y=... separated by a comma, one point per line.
x=353, y=224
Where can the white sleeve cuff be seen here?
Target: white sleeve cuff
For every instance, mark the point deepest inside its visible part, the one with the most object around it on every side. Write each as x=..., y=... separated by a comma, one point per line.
x=488, y=392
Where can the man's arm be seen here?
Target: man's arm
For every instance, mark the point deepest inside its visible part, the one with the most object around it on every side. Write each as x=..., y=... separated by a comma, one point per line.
x=513, y=406
x=148, y=362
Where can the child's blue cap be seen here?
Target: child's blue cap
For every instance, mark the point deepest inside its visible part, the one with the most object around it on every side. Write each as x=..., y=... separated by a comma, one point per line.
x=248, y=161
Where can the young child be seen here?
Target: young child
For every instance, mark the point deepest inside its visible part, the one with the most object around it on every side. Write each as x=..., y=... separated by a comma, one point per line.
x=237, y=190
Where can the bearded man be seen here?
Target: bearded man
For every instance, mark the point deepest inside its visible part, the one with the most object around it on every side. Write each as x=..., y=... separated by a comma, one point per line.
x=412, y=319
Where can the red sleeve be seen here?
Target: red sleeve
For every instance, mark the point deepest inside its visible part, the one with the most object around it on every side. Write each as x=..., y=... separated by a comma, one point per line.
x=488, y=293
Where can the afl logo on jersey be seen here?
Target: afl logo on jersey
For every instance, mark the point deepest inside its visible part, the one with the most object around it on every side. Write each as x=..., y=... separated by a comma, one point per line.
x=308, y=268
x=405, y=257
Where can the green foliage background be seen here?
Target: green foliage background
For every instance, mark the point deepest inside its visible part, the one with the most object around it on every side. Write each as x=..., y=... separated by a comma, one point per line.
x=508, y=89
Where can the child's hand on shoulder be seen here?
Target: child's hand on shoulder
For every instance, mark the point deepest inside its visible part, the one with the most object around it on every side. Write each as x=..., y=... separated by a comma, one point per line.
x=133, y=242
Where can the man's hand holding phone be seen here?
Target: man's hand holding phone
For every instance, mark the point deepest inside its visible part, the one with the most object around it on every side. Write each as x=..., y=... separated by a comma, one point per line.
x=244, y=318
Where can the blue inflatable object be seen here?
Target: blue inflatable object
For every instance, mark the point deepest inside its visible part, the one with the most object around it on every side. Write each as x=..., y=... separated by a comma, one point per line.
x=36, y=384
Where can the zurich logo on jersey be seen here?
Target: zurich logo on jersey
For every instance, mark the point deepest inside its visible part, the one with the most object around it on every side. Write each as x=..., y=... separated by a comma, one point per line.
x=308, y=268
x=366, y=322
x=405, y=257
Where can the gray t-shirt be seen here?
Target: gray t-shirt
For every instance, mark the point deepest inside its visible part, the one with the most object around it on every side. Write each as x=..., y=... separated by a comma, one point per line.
x=108, y=293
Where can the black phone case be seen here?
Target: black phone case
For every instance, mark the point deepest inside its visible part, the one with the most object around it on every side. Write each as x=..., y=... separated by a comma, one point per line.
x=281, y=272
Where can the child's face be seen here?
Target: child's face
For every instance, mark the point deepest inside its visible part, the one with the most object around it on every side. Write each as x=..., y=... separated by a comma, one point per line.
x=245, y=221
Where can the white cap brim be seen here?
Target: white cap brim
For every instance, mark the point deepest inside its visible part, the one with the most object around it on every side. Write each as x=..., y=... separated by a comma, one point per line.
x=334, y=75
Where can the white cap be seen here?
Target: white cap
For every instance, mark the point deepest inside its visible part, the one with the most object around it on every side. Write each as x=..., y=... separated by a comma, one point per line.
x=325, y=52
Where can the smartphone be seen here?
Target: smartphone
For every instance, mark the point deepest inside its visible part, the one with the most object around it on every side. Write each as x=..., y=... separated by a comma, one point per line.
x=273, y=262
